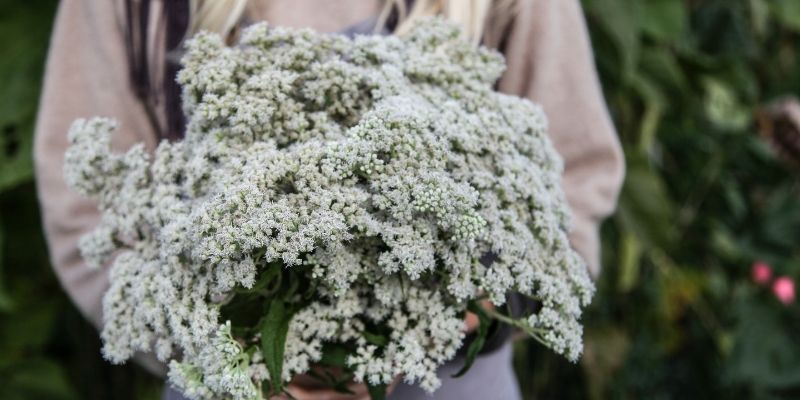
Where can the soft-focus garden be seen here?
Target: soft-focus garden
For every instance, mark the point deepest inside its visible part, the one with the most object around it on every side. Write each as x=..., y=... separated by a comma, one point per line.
x=696, y=298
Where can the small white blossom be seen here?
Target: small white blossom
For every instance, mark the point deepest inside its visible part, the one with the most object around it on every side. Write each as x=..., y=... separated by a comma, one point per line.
x=384, y=167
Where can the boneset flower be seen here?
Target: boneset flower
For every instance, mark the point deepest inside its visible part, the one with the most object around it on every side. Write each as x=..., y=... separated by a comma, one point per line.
x=329, y=193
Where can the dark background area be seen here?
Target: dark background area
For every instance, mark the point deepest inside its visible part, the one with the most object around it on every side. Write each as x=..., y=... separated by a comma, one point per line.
x=677, y=314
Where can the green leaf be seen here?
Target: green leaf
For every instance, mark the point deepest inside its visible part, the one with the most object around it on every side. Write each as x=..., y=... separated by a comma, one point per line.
x=480, y=337
x=334, y=355
x=654, y=108
x=723, y=243
x=268, y=275
x=630, y=257
x=722, y=106
x=377, y=392
x=645, y=208
x=787, y=12
x=293, y=285
x=246, y=312
x=273, y=341
x=341, y=385
x=661, y=68
x=664, y=19
x=765, y=347
x=29, y=325
x=337, y=382
x=376, y=339
x=606, y=349
x=614, y=17
x=37, y=378
x=759, y=16
x=21, y=62
x=5, y=299
x=734, y=198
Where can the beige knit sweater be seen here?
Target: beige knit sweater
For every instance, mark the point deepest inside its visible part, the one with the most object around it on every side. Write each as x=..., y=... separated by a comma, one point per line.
x=549, y=61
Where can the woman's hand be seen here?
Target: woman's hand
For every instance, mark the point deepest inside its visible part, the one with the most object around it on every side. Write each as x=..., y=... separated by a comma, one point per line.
x=301, y=392
x=304, y=387
x=472, y=321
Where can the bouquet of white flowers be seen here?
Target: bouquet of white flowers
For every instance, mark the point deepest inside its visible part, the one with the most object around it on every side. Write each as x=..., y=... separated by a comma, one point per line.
x=333, y=204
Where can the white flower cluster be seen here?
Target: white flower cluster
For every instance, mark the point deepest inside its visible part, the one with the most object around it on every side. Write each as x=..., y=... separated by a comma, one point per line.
x=426, y=332
x=382, y=168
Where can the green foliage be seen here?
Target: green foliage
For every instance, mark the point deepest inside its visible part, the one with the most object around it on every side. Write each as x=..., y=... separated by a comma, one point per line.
x=479, y=340
x=21, y=61
x=47, y=349
x=273, y=340
x=676, y=315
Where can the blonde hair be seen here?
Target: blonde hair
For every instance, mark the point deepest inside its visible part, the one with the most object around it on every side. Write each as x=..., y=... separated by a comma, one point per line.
x=221, y=16
x=470, y=15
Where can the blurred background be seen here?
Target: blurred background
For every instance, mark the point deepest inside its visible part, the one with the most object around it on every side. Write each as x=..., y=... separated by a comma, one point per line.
x=696, y=298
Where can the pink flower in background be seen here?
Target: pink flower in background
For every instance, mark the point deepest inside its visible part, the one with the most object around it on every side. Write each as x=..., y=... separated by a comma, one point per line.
x=761, y=272
x=784, y=289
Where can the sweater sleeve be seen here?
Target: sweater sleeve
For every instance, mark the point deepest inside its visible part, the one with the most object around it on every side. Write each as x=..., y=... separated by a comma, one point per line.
x=86, y=75
x=550, y=61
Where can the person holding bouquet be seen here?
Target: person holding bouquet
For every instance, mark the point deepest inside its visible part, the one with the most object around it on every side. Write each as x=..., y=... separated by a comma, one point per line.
x=119, y=59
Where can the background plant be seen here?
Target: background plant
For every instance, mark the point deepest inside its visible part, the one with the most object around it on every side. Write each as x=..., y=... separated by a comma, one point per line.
x=677, y=315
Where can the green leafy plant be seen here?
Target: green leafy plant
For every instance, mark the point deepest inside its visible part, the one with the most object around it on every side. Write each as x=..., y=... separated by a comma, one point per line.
x=47, y=349
x=677, y=315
